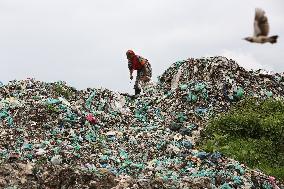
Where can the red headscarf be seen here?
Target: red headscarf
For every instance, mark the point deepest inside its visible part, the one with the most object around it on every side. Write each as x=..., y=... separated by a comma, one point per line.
x=130, y=52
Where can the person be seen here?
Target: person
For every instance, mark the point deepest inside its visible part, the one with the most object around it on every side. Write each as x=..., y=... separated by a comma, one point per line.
x=143, y=67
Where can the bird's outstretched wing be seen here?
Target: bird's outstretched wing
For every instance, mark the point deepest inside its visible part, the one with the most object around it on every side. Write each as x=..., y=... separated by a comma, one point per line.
x=261, y=26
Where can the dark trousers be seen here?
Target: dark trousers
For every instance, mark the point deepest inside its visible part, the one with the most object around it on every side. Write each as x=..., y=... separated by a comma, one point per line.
x=146, y=71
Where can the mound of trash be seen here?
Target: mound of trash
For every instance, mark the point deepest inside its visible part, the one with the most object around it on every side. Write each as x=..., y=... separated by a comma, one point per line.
x=54, y=136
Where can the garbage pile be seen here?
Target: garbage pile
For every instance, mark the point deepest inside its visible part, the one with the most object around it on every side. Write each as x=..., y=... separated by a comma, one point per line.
x=54, y=136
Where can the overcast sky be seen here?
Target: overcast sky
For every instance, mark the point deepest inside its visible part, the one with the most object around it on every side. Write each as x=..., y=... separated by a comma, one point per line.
x=83, y=42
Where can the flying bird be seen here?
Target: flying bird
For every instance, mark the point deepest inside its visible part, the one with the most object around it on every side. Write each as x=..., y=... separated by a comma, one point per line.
x=261, y=29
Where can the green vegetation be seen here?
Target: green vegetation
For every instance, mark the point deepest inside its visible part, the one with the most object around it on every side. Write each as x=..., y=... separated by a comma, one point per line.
x=63, y=90
x=252, y=132
x=52, y=108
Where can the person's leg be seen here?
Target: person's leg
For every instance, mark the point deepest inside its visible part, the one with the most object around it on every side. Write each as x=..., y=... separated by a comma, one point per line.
x=136, y=86
x=147, y=72
x=137, y=91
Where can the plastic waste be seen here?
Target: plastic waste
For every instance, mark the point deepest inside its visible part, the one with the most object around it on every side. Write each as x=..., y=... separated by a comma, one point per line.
x=143, y=140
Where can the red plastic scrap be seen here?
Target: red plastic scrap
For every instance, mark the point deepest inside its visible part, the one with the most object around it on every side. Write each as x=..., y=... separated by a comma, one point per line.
x=91, y=119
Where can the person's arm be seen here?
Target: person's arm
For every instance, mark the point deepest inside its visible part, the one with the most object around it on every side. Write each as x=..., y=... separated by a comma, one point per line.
x=130, y=69
x=131, y=72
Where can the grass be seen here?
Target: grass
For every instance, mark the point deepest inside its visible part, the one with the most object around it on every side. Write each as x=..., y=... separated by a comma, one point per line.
x=252, y=132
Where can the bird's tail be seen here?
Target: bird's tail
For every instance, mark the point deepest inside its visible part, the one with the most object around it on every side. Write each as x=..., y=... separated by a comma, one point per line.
x=273, y=39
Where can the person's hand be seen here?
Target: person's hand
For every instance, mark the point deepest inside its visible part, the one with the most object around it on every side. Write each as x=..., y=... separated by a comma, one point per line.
x=131, y=77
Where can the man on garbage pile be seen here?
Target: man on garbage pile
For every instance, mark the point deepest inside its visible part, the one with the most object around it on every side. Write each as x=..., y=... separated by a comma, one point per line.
x=143, y=67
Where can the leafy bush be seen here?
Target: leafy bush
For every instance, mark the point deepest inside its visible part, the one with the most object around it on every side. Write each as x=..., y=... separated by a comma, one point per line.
x=62, y=90
x=251, y=132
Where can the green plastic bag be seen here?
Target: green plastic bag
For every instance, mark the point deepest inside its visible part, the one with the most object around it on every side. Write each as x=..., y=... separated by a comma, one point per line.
x=240, y=92
x=183, y=87
x=199, y=86
x=191, y=97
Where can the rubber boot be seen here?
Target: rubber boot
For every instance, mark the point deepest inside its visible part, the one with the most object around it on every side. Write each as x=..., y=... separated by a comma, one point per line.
x=137, y=91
